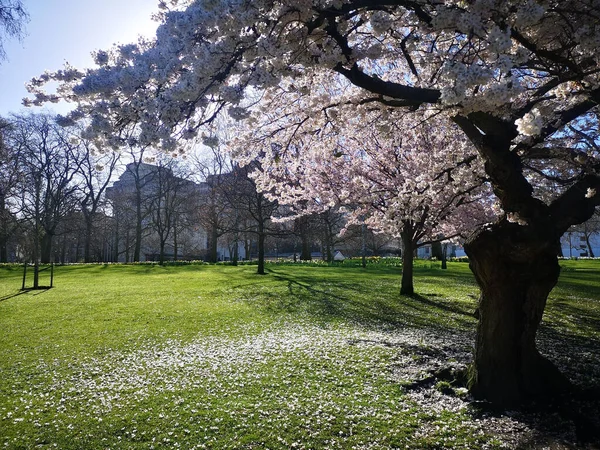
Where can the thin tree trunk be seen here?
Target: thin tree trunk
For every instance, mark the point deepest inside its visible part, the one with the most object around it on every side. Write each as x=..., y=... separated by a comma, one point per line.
x=175, y=245
x=329, y=241
x=87, y=244
x=516, y=268
x=363, y=246
x=589, y=245
x=138, y=222
x=63, y=250
x=261, y=248
x=212, y=245
x=247, y=246
x=161, y=255
x=407, y=287
x=116, y=248
x=36, y=274
x=236, y=254
x=4, y=230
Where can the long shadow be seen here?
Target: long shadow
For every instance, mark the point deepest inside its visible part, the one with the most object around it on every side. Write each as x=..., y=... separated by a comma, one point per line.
x=577, y=413
x=359, y=303
x=36, y=291
x=8, y=297
x=426, y=301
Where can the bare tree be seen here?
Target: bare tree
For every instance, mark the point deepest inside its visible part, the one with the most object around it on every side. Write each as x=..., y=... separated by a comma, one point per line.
x=252, y=209
x=47, y=158
x=171, y=193
x=12, y=19
x=583, y=235
x=130, y=197
x=9, y=177
x=215, y=213
x=96, y=171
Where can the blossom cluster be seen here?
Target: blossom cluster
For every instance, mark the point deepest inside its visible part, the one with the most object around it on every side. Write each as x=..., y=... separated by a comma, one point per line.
x=210, y=53
x=520, y=63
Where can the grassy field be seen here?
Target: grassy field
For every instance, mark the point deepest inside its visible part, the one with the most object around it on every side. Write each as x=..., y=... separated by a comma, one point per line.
x=308, y=356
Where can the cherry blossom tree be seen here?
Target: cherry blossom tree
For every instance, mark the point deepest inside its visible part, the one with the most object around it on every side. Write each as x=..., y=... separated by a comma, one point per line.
x=512, y=75
x=410, y=176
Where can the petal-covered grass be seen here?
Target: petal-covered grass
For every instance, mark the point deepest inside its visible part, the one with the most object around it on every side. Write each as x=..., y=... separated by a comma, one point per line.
x=198, y=356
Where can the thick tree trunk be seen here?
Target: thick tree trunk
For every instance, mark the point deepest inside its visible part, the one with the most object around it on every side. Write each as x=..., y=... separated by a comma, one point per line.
x=436, y=250
x=408, y=249
x=302, y=229
x=516, y=268
x=444, y=256
x=305, y=249
x=161, y=254
x=46, y=248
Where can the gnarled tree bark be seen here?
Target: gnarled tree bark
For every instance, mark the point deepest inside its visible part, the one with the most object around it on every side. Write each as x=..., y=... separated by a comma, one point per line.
x=516, y=268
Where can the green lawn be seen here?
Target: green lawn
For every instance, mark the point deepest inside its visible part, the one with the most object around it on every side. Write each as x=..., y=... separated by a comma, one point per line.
x=308, y=356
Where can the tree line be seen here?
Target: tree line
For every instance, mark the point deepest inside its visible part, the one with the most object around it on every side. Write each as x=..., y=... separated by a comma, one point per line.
x=65, y=199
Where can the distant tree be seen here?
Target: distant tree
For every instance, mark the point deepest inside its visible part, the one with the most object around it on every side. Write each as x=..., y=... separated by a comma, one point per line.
x=584, y=233
x=96, y=170
x=253, y=206
x=142, y=176
x=304, y=228
x=170, y=194
x=47, y=158
x=123, y=209
x=9, y=177
x=414, y=185
x=330, y=223
x=215, y=215
x=49, y=161
x=12, y=19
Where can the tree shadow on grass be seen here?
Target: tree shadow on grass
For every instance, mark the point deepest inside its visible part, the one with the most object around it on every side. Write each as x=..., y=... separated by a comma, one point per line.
x=33, y=291
x=8, y=297
x=559, y=422
x=369, y=304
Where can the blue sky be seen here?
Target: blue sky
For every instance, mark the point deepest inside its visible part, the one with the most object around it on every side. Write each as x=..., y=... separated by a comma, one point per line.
x=68, y=30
